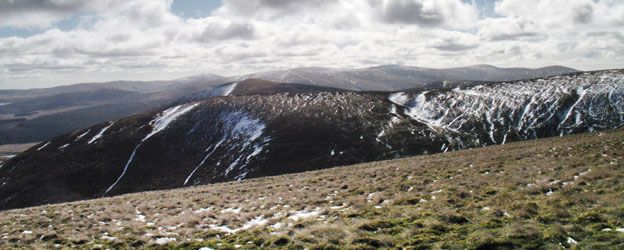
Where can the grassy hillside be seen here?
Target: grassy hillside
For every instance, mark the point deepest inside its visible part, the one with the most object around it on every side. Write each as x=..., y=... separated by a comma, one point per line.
x=556, y=193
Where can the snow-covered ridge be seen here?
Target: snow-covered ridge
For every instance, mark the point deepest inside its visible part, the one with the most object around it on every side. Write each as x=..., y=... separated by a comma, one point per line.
x=522, y=110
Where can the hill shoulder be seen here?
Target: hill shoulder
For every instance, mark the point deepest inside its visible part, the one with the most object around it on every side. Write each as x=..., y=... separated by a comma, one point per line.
x=545, y=193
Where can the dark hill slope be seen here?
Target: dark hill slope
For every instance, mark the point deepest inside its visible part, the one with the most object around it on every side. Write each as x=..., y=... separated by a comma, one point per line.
x=556, y=193
x=35, y=115
x=238, y=137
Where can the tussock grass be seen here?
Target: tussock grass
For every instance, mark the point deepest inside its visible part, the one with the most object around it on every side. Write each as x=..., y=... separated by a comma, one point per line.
x=552, y=193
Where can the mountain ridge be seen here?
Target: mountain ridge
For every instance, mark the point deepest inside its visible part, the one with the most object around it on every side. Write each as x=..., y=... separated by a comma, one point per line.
x=229, y=137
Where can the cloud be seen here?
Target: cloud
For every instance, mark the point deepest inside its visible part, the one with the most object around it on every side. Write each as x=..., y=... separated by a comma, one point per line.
x=426, y=13
x=456, y=42
x=216, y=29
x=410, y=12
x=270, y=9
x=143, y=39
x=452, y=46
x=511, y=29
x=41, y=13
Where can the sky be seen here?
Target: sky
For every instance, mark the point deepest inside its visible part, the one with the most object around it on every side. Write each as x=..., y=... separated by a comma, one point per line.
x=46, y=43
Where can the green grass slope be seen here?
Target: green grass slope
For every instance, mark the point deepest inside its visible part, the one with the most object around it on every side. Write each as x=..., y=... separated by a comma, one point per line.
x=555, y=193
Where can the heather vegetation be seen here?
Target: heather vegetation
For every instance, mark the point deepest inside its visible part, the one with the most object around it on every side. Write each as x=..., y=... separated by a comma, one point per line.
x=555, y=193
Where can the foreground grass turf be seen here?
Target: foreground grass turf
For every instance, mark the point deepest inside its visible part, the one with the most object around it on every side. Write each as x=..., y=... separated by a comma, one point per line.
x=556, y=193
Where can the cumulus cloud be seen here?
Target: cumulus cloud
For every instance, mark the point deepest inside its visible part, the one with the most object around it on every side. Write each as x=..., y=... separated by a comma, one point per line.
x=270, y=9
x=511, y=28
x=143, y=39
x=217, y=29
x=426, y=13
x=37, y=13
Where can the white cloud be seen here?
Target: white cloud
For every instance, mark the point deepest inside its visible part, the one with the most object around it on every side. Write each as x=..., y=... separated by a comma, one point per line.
x=142, y=39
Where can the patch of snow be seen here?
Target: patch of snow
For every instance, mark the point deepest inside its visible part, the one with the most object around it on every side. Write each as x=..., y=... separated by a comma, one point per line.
x=485, y=208
x=166, y=117
x=201, y=210
x=140, y=218
x=228, y=90
x=506, y=214
x=343, y=205
x=256, y=222
x=242, y=135
x=159, y=124
x=399, y=98
x=4, y=103
x=437, y=191
x=278, y=225
x=124, y=170
x=44, y=145
x=304, y=214
x=82, y=135
x=165, y=240
x=571, y=241
x=205, y=248
x=555, y=182
x=99, y=134
x=27, y=232
x=233, y=165
x=204, y=160
x=64, y=146
x=109, y=238
x=231, y=210
x=9, y=156
x=620, y=230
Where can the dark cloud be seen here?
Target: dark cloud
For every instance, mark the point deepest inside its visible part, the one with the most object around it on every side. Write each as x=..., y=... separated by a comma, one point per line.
x=408, y=12
x=514, y=36
x=216, y=32
x=452, y=46
x=46, y=66
x=42, y=10
x=62, y=7
x=114, y=52
x=280, y=7
x=583, y=14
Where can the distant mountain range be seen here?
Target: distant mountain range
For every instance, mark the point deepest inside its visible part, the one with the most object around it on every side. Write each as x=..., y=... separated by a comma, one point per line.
x=256, y=127
x=396, y=77
x=39, y=114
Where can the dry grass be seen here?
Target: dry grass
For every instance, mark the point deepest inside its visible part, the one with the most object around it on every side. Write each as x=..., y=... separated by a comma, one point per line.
x=11, y=149
x=534, y=194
